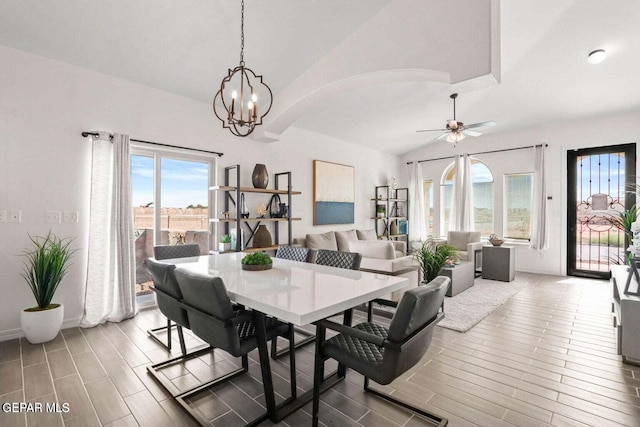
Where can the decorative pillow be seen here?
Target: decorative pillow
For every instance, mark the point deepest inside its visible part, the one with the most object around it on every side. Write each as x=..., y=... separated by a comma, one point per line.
x=367, y=234
x=382, y=249
x=344, y=237
x=322, y=241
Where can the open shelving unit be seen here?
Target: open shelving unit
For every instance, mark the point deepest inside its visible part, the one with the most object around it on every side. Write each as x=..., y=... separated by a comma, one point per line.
x=232, y=199
x=396, y=209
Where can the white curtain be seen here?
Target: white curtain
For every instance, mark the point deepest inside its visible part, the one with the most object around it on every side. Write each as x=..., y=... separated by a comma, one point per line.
x=110, y=288
x=417, y=226
x=461, y=217
x=539, y=230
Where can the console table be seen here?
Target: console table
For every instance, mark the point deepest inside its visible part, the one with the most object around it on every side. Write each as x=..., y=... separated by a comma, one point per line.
x=626, y=316
x=499, y=263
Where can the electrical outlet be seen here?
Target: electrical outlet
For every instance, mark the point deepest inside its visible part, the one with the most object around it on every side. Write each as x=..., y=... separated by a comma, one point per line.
x=3, y=216
x=70, y=217
x=15, y=216
x=52, y=217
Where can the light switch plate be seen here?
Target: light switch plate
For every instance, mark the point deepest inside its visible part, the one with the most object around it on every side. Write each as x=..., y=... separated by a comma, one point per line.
x=3, y=216
x=70, y=217
x=52, y=217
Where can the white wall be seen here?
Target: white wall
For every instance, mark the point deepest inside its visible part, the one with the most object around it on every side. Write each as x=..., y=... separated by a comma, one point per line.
x=44, y=162
x=591, y=132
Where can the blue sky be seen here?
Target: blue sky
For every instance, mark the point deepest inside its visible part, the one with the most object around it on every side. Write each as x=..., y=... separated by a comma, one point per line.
x=183, y=183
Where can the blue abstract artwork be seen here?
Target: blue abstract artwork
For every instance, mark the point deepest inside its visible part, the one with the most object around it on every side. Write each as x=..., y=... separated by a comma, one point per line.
x=333, y=193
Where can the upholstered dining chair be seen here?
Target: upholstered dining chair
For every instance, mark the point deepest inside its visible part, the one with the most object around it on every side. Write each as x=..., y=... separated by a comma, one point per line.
x=348, y=260
x=168, y=252
x=215, y=320
x=383, y=354
x=300, y=254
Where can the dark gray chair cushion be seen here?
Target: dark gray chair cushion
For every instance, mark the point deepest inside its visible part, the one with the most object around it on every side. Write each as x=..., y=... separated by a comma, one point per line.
x=176, y=251
x=169, y=299
x=347, y=260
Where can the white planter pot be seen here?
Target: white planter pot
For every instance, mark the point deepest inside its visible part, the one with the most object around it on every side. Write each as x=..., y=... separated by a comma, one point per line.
x=224, y=246
x=41, y=326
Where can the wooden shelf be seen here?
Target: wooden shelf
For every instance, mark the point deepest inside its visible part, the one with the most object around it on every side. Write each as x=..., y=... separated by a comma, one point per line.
x=268, y=248
x=253, y=219
x=252, y=190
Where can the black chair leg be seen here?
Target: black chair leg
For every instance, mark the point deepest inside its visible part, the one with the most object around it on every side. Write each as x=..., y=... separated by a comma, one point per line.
x=183, y=347
x=152, y=334
x=318, y=374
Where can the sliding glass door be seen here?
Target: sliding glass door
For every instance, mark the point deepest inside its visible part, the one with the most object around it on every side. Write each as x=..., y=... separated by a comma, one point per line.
x=170, y=200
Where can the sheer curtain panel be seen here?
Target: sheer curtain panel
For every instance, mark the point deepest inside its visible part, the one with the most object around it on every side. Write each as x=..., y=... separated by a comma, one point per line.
x=461, y=218
x=417, y=226
x=539, y=238
x=110, y=290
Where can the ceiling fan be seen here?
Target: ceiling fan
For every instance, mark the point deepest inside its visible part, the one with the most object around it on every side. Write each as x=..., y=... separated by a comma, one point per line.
x=455, y=130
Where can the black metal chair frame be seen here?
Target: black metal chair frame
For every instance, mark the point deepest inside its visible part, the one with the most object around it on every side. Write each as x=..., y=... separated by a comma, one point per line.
x=320, y=359
x=153, y=333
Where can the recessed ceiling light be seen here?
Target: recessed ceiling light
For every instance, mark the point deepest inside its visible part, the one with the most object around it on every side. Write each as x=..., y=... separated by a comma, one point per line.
x=596, y=56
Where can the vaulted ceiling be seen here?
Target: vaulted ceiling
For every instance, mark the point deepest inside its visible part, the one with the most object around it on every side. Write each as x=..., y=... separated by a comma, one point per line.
x=367, y=71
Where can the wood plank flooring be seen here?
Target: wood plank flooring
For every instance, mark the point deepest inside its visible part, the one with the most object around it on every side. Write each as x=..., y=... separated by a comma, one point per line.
x=546, y=357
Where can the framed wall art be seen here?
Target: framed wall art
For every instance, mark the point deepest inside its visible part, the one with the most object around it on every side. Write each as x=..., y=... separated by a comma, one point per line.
x=333, y=193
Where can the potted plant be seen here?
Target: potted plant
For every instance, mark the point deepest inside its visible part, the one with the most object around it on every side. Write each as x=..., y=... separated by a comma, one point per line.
x=381, y=210
x=45, y=266
x=225, y=243
x=256, y=261
x=432, y=256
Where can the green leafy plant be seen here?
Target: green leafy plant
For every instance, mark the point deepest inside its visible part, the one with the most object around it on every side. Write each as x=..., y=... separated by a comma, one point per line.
x=432, y=257
x=225, y=238
x=257, y=258
x=623, y=220
x=47, y=263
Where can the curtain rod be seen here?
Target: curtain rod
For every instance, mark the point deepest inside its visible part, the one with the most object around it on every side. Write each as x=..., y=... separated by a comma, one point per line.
x=86, y=134
x=482, y=152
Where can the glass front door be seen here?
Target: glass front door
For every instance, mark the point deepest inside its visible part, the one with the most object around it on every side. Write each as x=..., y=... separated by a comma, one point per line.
x=600, y=189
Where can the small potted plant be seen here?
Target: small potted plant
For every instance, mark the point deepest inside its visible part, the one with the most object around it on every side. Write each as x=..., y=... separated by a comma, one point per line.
x=45, y=266
x=432, y=256
x=225, y=243
x=257, y=261
x=381, y=210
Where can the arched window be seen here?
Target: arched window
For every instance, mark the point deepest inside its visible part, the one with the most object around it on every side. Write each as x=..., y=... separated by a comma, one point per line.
x=482, y=181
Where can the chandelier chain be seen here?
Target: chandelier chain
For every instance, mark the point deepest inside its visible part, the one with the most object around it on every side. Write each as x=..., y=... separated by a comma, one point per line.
x=242, y=33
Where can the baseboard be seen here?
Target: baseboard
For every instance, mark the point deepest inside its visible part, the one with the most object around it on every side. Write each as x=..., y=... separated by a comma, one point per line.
x=11, y=334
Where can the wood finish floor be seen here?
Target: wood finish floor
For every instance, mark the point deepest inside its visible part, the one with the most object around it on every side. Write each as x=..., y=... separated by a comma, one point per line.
x=546, y=357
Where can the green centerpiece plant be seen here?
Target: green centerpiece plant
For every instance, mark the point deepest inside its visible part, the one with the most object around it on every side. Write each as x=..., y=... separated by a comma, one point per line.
x=432, y=256
x=257, y=261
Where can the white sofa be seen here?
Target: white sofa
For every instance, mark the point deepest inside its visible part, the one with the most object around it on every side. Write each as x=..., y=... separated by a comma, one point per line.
x=378, y=256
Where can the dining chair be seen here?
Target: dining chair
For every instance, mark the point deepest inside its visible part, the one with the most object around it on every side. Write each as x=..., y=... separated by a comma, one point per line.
x=348, y=260
x=168, y=252
x=300, y=254
x=214, y=319
x=383, y=354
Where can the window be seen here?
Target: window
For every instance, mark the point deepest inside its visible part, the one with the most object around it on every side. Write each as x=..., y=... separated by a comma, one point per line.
x=517, y=205
x=170, y=203
x=482, y=182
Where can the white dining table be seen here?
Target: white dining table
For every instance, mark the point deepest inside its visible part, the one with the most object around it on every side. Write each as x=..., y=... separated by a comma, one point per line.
x=295, y=292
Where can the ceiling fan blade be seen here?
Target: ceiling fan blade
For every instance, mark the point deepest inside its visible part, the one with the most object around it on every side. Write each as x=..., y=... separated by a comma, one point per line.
x=470, y=132
x=481, y=124
x=444, y=135
x=431, y=130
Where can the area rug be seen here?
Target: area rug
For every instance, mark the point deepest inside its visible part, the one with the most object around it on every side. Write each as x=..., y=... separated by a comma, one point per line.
x=465, y=310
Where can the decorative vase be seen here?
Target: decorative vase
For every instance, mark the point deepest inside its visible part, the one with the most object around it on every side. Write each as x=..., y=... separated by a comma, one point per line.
x=244, y=212
x=41, y=326
x=393, y=228
x=260, y=176
x=275, y=202
x=262, y=238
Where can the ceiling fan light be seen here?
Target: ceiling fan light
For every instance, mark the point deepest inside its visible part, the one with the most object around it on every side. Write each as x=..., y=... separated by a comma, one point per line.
x=455, y=137
x=596, y=56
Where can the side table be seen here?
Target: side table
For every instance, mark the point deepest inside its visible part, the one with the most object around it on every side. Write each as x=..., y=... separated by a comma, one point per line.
x=462, y=276
x=499, y=263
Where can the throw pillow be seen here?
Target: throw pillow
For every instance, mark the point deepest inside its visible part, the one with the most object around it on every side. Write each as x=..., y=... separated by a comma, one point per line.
x=367, y=234
x=344, y=237
x=322, y=241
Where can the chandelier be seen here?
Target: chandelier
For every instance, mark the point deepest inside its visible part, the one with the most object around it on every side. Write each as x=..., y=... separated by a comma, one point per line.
x=243, y=99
